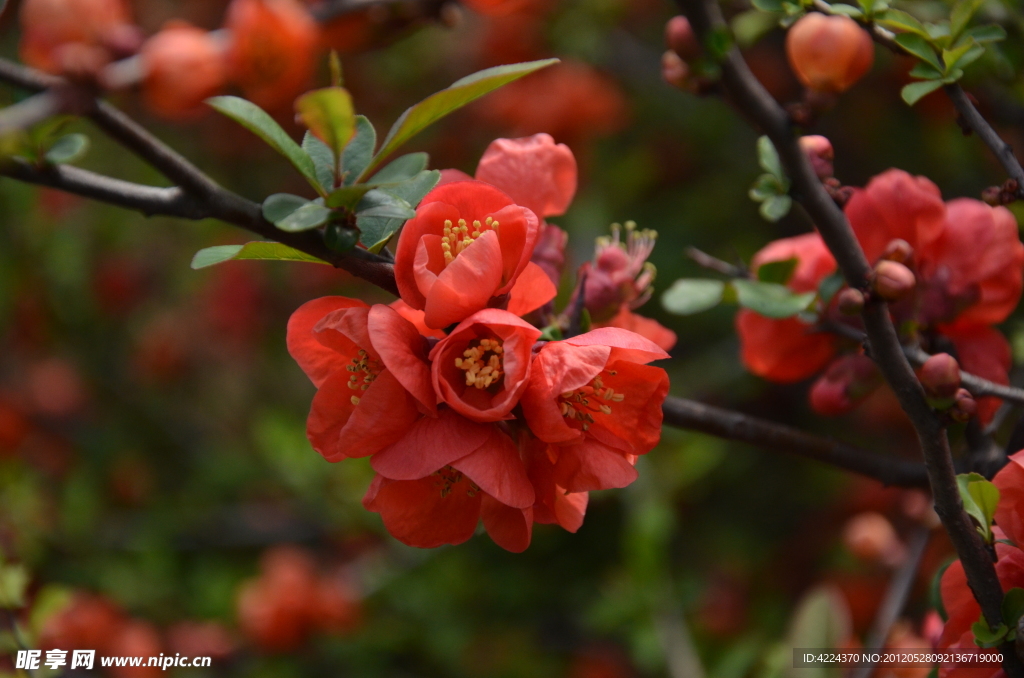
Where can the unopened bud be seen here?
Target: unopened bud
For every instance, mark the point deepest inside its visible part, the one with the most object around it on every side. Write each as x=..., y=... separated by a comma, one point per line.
x=898, y=250
x=940, y=376
x=892, y=280
x=964, y=407
x=850, y=301
x=818, y=150
x=993, y=195
x=871, y=537
x=674, y=70
x=81, y=62
x=681, y=39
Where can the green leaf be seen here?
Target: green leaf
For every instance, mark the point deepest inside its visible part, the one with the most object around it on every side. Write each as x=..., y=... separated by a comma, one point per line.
x=768, y=5
x=257, y=121
x=340, y=238
x=900, y=21
x=987, y=637
x=963, y=57
x=986, y=33
x=330, y=115
x=438, y=105
x=348, y=196
x=309, y=216
x=980, y=498
x=279, y=205
x=919, y=47
x=402, y=168
x=687, y=296
x=766, y=186
x=937, y=32
x=68, y=148
x=1013, y=606
x=778, y=272
x=926, y=71
x=359, y=151
x=770, y=299
x=830, y=286
x=13, y=584
x=751, y=26
x=821, y=619
x=776, y=207
x=915, y=91
x=718, y=41
x=257, y=250
x=323, y=160
x=379, y=203
x=846, y=10
x=376, y=231
x=961, y=16
x=768, y=158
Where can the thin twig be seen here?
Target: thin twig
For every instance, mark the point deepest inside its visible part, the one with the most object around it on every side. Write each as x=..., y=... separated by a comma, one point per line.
x=715, y=264
x=751, y=97
x=716, y=421
x=977, y=123
x=895, y=598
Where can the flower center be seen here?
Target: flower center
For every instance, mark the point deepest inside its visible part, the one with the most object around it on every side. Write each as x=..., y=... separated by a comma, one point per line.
x=458, y=237
x=582, y=404
x=449, y=477
x=364, y=370
x=482, y=362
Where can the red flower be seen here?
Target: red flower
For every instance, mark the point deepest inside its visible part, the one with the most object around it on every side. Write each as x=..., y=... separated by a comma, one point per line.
x=273, y=49
x=534, y=171
x=647, y=328
x=973, y=268
x=595, y=400
x=483, y=366
x=370, y=367
x=982, y=351
x=788, y=350
x=467, y=244
x=554, y=505
x=49, y=24
x=893, y=205
x=185, y=65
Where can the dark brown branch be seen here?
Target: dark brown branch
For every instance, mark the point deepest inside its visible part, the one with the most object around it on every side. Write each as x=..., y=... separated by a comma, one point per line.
x=175, y=202
x=695, y=416
x=711, y=263
x=977, y=123
x=751, y=98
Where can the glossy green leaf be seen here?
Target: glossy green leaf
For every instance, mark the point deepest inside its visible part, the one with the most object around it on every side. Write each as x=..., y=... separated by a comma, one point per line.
x=402, y=168
x=980, y=498
x=258, y=250
x=919, y=47
x=323, y=160
x=846, y=10
x=915, y=91
x=985, y=33
x=340, y=238
x=937, y=32
x=376, y=231
x=776, y=207
x=765, y=186
x=768, y=158
x=436, y=106
x=778, y=272
x=751, y=26
x=830, y=286
x=770, y=299
x=330, y=115
x=68, y=148
x=961, y=15
x=348, y=196
x=1013, y=606
x=309, y=216
x=900, y=21
x=257, y=121
x=359, y=151
x=687, y=296
x=926, y=72
x=378, y=203
x=984, y=636
x=961, y=58
x=279, y=205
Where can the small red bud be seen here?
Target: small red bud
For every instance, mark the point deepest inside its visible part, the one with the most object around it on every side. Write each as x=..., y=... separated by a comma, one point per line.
x=850, y=301
x=871, y=537
x=964, y=407
x=829, y=53
x=940, y=376
x=892, y=280
x=818, y=150
x=899, y=251
x=674, y=70
x=680, y=38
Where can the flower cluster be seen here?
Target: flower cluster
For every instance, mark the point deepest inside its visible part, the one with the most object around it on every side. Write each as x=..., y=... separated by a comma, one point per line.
x=464, y=413
x=964, y=260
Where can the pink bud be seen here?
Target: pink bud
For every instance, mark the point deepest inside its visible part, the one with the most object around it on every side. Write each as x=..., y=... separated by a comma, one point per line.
x=964, y=407
x=819, y=151
x=871, y=537
x=680, y=38
x=847, y=381
x=898, y=250
x=940, y=376
x=850, y=301
x=674, y=70
x=893, y=280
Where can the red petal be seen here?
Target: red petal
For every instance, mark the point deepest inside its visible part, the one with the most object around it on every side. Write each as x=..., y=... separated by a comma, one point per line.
x=784, y=350
x=1010, y=510
x=496, y=467
x=647, y=328
x=431, y=444
x=328, y=414
x=467, y=284
x=472, y=199
x=403, y=351
x=634, y=425
x=532, y=290
x=429, y=220
x=895, y=204
x=345, y=331
x=518, y=231
x=385, y=413
x=570, y=509
x=592, y=466
x=626, y=345
x=559, y=367
x=315, y=359
x=983, y=351
x=537, y=173
x=510, y=528
x=450, y=176
x=416, y=513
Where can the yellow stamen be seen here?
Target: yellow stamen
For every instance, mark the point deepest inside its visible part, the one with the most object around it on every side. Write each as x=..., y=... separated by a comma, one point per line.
x=482, y=363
